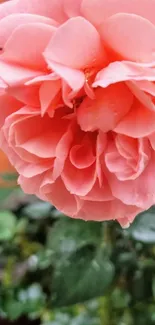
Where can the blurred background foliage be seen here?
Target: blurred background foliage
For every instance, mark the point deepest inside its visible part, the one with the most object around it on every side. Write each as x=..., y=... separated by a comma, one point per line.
x=59, y=271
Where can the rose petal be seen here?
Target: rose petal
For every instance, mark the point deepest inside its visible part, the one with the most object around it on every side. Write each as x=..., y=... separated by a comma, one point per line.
x=41, y=135
x=50, y=8
x=47, y=93
x=31, y=185
x=139, y=192
x=139, y=122
x=123, y=71
x=106, y=110
x=100, y=194
x=82, y=156
x=78, y=181
x=62, y=199
x=121, y=27
x=74, y=78
x=9, y=105
x=30, y=53
x=72, y=7
x=110, y=210
x=3, y=87
x=28, y=95
x=9, y=23
x=127, y=158
x=15, y=75
x=31, y=170
x=145, y=99
x=97, y=11
x=7, y=8
x=152, y=140
x=69, y=47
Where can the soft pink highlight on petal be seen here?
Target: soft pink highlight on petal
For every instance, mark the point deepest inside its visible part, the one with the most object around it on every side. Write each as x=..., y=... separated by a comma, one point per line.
x=7, y=8
x=15, y=75
x=77, y=52
x=121, y=27
x=99, y=10
x=106, y=110
x=139, y=122
x=72, y=7
x=74, y=78
x=10, y=23
x=48, y=92
x=30, y=53
x=124, y=71
x=51, y=8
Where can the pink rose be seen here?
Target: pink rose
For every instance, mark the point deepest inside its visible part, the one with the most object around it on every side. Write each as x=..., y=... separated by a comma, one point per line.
x=77, y=97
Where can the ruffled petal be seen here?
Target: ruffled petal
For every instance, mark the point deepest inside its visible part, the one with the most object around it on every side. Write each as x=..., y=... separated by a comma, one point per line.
x=81, y=155
x=73, y=51
x=109, y=210
x=74, y=78
x=106, y=110
x=139, y=192
x=28, y=95
x=7, y=8
x=123, y=71
x=127, y=158
x=9, y=105
x=139, y=122
x=11, y=22
x=123, y=34
x=97, y=11
x=49, y=8
x=47, y=93
x=99, y=193
x=64, y=201
x=15, y=75
x=30, y=53
x=78, y=181
x=31, y=185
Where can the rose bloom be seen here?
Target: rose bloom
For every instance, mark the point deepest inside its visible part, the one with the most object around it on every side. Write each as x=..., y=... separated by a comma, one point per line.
x=78, y=103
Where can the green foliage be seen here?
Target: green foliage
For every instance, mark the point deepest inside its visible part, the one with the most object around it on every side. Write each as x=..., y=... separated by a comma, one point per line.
x=39, y=210
x=66, y=237
x=7, y=225
x=91, y=272
x=71, y=272
x=143, y=228
x=9, y=176
x=5, y=193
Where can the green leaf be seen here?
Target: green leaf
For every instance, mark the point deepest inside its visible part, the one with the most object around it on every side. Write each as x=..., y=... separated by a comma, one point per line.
x=13, y=309
x=66, y=319
x=7, y=225
x=153, y=287
x=143, y=229
x=37, y=210
x=10, y=177
x=83, y=276
x=32, y=298
x=5, y=193
x=138, y=286
x=56, y=214
x=120, y=298
x=69, y=235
